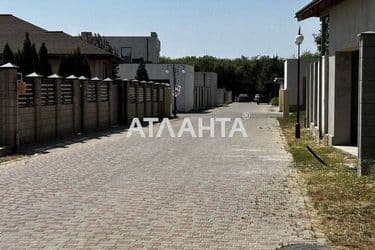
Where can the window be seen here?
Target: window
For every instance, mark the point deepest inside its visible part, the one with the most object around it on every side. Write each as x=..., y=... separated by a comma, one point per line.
x=126, y=54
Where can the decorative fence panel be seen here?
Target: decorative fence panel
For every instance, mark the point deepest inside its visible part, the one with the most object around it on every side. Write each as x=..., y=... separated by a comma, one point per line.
x=91, y=91
x=48, y=92
x=54, y=108
x=67, y=92
x=27, y=99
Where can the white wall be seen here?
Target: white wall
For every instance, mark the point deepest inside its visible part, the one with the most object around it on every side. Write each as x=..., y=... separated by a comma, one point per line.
x=211, y=82
x=347, y=20
x=220, y=96
x=156, y=72
x=290, y=79
x=139, y=46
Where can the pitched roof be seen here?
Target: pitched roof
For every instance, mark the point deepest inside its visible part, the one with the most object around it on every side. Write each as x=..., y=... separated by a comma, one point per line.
x=13, y=31
x=316, y=8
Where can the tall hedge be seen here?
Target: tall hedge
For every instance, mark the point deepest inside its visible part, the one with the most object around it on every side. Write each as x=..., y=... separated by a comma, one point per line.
x=8, y=55
x=44, y=66
x=74, y=64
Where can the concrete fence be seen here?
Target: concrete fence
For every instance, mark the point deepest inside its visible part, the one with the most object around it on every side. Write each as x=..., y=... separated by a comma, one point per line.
x=316, y=96
x=223, y=97
x=41, y=109
x=202, y=96
x=228, y=97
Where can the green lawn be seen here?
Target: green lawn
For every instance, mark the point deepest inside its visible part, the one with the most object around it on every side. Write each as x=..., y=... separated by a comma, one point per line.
x=344, y=203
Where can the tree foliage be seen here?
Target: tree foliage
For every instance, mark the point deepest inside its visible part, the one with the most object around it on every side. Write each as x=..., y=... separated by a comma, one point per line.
x=8, y=55
x=322, y=38
x=142, y=74
x=44, y=66
x=241, y=75
x=307, y=55
x=74, y=64
x=27, y=58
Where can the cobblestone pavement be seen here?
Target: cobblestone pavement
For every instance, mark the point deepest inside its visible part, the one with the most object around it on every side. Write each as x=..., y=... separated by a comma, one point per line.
x=119, y=192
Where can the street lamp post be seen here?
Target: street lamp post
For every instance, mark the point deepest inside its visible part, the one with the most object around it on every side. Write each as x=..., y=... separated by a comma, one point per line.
x=180, y=69
x=299, y=40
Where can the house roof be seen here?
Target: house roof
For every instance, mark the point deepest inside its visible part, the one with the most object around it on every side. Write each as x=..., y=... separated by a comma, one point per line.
x=13, y=31
x=316, y=8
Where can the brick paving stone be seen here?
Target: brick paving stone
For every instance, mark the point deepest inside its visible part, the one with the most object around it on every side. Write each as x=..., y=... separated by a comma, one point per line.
x=118, y=192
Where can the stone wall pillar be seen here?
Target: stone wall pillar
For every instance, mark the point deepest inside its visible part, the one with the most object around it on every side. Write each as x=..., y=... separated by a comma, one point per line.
x=58, y=105
x=314, y=97
x=168, y=101
x=136, y=86
x=84, y=83
x=37, y=83
x=311, y=94
x=286, y=105
x=111, y=104
x=98, y=84
x=281, y=99
x=76, y=85
x=318, y=125
x=325, y=81
x=8, y=105
x=341, y=97
x=307, y=94
x=366, y=114
x=152, y=85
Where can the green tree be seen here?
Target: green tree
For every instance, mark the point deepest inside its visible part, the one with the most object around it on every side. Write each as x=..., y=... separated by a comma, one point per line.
x=322, y=38
x=28, y=58
x=240, y=75
x=74, y=64
x=142, y=74
x=44, y=66
x=35, y=58
x=8, y=55
x=307, y=55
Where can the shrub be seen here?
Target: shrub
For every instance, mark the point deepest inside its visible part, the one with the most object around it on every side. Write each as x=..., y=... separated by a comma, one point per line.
x=275, y=101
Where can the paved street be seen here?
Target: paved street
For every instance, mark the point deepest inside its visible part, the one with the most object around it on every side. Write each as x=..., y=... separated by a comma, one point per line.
x=119, y=192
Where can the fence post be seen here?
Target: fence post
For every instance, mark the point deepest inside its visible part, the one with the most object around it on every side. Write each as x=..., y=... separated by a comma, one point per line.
x=168, y=100
x=143, y=88
x=108, y=81
x=161, y=100
x=125, y=102
x=57, y=81
x=8, y=82
x=155, y=99
x=84, y=83
x=76, y=94
x=152, y=98
x=136, y=86
x=110, y=102
x=285, y=105
x=37, y=82
x=98, y=103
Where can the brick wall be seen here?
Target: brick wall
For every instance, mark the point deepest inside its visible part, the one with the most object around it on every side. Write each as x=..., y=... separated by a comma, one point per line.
x=55, y=107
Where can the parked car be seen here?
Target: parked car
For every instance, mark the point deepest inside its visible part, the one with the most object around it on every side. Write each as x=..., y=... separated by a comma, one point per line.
x=243, y=98
x=258, y=98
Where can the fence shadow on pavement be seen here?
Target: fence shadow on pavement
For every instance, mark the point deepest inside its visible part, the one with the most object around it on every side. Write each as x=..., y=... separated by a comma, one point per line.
x=45, y=148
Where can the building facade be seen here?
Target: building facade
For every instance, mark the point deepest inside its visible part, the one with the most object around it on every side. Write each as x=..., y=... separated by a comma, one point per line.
x=342, y=84
x=290, y=81
x=133, y=49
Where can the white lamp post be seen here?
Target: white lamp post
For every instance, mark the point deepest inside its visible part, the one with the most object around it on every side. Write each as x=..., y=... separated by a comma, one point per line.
x=174, y=72
x=299, y=41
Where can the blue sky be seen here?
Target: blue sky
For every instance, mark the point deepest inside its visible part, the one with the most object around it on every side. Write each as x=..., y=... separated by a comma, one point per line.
x=223, y=28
